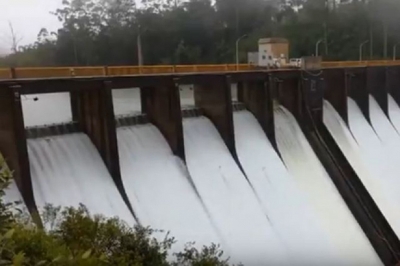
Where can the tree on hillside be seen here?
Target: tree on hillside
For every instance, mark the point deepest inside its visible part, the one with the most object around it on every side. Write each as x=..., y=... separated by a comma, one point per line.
x=106, y=32
x=77, y=238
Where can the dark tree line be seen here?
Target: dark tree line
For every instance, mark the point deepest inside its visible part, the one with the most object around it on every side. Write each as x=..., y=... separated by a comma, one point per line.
x=108, y=32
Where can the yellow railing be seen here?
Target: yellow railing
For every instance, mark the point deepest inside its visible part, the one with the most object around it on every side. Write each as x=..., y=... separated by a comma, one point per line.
x=360, y=63
x=51, y=72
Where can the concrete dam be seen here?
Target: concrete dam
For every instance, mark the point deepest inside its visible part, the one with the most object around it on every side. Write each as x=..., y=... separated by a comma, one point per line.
x=292, y=167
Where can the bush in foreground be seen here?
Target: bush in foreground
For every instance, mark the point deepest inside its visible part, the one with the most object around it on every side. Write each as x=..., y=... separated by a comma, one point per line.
x=74, y=237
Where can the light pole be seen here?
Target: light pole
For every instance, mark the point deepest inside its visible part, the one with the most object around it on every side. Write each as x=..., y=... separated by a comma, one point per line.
x=237, y=49
x=317, y=46
x=395, y=51
x=361, y=48
x=139, y=46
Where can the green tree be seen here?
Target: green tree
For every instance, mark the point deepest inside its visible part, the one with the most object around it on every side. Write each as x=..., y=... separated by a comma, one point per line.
x=106, y=32
x=76, y=238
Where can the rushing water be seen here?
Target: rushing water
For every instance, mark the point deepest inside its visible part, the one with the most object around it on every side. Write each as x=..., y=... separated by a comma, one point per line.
x=159, y=187
x=372, y=151
x=68, y=171
x=345, y=234
x=272, y=212
x=230, y=200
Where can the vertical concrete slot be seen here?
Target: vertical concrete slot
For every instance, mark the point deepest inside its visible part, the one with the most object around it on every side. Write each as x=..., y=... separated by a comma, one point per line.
x=13, y=145
x=94, y=112
x=313, y=93
x=335, y=90
x=393, y=82
x=285, y=88
x=256, y=97
x=212, y=94
x=376, y=86
x=163, y=109
x=357, y=89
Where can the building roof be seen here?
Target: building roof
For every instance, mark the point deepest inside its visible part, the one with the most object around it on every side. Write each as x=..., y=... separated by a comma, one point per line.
x=272, y=40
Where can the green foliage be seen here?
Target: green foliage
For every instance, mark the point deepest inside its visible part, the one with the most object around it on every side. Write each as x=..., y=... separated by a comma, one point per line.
x=209, y=256
x=105, y=32
x=73, y=237
x=6, y=216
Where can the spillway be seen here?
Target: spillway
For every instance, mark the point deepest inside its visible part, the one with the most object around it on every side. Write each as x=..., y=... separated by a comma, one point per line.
x=360, y=152
x=283, y=202
x=68, y=171
x=159, y=188
x=231, y=202
x=343, y=231
x=373, y=157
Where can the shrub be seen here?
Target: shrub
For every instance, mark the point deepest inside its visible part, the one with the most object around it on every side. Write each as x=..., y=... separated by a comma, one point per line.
x=74, y=237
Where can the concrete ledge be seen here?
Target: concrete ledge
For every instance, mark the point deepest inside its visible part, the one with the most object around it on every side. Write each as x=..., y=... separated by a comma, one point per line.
x=126, y=121
x=51, y=130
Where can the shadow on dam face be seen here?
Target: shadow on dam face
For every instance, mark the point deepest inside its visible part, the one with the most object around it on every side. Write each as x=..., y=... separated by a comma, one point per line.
x=212, y=159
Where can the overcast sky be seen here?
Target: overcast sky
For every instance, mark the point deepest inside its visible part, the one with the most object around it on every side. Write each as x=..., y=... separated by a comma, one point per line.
x=27, y=18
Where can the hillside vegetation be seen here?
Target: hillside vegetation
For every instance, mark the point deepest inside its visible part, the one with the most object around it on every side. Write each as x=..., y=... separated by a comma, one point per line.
x=76, y=238
x=106, y=32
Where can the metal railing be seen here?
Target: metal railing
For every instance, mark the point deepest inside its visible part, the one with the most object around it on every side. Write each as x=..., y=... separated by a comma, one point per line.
x=52, y=72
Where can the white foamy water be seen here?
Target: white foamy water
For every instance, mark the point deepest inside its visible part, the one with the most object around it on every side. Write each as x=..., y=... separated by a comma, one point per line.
x=284, y=203
x=388, y=157
x=13, y=196
x=12, y=193
x=159, y=188
x=365, y=153
x=229, y=198
x=68, y=171
x=333, y=214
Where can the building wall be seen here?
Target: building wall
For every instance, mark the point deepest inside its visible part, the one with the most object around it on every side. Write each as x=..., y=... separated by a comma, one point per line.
x=277, y=49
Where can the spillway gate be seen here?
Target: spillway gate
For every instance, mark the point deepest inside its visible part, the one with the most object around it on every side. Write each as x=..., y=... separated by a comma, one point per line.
x=301, y=92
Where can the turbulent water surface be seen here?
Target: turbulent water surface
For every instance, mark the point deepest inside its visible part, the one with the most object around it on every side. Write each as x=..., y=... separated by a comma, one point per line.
x=159, y=187
x=68, y=171
x=230, y=199
x=348, y=239
x=262, y=209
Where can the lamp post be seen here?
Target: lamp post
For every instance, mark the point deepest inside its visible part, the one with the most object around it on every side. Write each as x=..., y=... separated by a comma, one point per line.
x=237, y=49
x=317, y=46
x=139, y=47
x=361, y=48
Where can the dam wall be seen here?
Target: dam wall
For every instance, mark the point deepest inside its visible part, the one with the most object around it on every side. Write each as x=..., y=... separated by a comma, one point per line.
x=198, y=161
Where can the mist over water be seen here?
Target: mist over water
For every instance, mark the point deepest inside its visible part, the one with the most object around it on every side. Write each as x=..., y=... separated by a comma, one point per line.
x=372, y=150
x=349, y=241
x=285, y=204
x=229, y=198
x=68, y=171
x=158, y=186
x=276, y=212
